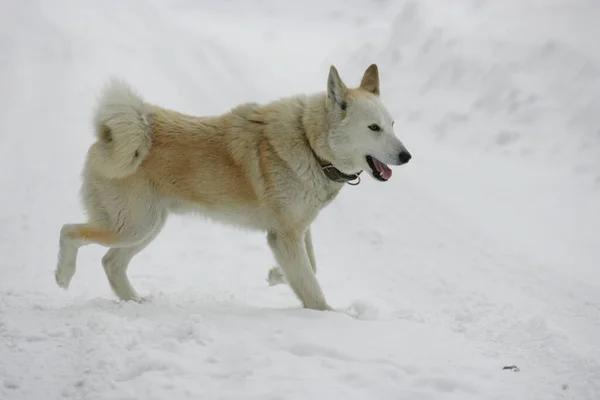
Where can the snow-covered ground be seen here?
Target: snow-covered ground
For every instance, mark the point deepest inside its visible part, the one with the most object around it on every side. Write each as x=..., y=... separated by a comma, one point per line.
x=482, y=252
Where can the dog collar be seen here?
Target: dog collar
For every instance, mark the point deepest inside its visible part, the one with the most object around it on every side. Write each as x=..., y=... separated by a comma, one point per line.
x=335, y=174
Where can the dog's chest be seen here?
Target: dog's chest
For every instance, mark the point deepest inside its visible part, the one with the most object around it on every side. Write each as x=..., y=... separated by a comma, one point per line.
x=306, y=190
x=308, y=201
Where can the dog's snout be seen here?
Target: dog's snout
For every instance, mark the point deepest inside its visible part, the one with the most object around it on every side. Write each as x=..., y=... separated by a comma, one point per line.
x=404, y=157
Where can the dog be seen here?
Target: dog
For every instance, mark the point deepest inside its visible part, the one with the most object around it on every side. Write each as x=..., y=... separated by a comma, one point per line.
x=270, y=167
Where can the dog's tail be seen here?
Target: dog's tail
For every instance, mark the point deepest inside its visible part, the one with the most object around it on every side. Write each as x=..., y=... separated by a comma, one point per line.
x=124, y=131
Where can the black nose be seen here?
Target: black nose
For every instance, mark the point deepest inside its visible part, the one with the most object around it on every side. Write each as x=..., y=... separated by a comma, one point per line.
x=404, y=157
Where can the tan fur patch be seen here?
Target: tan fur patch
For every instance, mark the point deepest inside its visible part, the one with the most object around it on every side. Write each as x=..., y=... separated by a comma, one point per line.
x=193, y=160
x=92, y=234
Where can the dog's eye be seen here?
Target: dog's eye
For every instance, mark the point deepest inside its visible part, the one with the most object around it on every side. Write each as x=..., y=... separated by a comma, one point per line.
x=374, y=127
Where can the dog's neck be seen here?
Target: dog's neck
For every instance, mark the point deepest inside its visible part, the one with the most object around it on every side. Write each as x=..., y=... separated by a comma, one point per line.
x=314, y=124
x=335, y=174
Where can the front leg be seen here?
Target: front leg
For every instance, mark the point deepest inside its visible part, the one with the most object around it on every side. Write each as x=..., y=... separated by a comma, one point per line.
x=276, y=276
x=289, y=249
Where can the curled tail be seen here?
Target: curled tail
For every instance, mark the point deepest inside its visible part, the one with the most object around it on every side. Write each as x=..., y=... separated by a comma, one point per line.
x=124, y=131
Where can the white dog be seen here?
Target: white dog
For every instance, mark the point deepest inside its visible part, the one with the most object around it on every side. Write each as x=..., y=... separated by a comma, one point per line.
x=268, y=167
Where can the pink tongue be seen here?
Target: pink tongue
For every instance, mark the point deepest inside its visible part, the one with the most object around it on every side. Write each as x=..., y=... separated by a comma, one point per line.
x=384, y=170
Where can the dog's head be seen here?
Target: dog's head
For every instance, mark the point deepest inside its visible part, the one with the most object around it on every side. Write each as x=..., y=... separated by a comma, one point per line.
x=361, y=134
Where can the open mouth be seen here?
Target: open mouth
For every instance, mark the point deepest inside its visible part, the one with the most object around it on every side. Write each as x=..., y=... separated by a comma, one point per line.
x=379, y=170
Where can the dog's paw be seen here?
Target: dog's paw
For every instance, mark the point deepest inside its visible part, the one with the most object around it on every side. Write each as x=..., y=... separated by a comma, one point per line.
x=63, y=278
x=276, y=277
x=141, y=299
x=320, y=306
x=133, y=299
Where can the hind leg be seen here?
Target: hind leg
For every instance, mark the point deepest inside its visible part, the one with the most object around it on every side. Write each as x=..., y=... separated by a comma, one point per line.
x=72, y=237
x=135, y=233
x=115, y=263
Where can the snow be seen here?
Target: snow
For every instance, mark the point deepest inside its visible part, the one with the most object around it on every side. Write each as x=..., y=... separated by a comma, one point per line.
x=481, y=253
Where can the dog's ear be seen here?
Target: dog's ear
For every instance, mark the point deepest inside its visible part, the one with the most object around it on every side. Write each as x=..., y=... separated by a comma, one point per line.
x=370, y=80
x=336, y=90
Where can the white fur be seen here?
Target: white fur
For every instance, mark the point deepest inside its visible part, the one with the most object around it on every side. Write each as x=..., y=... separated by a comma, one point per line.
x=126, y=117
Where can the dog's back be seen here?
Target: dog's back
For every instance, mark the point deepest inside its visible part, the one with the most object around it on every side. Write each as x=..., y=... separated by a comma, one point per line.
x=204, y=162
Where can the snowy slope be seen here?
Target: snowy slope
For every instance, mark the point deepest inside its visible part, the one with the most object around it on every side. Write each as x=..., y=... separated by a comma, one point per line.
x=483, y=252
